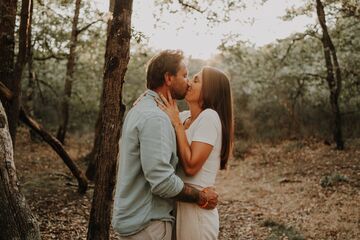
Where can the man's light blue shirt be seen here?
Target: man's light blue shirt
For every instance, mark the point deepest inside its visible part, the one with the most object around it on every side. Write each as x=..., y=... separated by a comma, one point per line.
x=146, y=176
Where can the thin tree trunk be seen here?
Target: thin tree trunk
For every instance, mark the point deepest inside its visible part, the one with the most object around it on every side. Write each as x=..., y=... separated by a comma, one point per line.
x=58, y=148
x=16, y=219
x=92, y=156
x=69, y=76
x=24, y=46
x=28, y=97
x=333, y=77
x=51, y=140
x=7, y=45
x=295, y=124
x=116, y=60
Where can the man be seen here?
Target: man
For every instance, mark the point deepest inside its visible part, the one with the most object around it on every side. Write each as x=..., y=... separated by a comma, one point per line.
x=147, y=184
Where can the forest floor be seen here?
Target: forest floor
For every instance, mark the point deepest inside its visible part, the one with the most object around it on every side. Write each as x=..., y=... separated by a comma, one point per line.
x=300, y=189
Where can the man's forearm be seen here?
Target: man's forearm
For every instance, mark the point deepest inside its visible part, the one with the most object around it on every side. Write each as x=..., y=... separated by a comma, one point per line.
x=190, y=194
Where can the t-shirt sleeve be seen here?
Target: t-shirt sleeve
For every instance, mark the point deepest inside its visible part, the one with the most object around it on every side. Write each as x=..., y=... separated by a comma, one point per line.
x=207, y=129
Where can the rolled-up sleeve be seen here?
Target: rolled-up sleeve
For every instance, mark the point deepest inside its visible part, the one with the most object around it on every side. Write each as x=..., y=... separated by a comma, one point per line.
x=156, y=147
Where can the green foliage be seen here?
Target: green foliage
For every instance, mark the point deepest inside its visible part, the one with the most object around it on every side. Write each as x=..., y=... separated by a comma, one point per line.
x=52, y=28
x=135, y=78
x=213, y=11
x=279, y=231
x=241, y=148
x=331, y=180
x=50, y=37
x=287, y=93
x=279, y=90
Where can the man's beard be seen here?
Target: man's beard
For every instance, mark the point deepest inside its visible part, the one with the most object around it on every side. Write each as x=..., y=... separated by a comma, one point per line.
x=178, y=95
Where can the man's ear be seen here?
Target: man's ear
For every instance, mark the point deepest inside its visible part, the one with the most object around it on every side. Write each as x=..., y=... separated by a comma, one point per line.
x=168, y=79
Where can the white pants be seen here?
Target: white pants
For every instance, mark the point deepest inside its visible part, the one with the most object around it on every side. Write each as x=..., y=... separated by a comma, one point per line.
x=157, y=230
x=195, y=223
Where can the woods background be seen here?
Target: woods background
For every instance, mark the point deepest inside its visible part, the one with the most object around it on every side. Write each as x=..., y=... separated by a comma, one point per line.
x=56, y=58
x=280, y=90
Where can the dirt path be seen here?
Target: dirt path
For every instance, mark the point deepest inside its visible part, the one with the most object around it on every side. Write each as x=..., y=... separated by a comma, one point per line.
x=275, y=193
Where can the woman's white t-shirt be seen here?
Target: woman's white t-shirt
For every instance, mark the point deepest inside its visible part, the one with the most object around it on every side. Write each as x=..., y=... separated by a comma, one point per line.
x=207, y=129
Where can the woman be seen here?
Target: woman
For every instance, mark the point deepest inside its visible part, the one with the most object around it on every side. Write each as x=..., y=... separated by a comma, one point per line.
x=204, y=137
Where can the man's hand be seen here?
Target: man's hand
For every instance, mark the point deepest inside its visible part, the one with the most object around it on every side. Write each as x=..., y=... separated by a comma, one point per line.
x=208, y=198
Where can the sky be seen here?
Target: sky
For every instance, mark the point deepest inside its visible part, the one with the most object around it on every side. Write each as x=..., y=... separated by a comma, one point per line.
x=197, y=39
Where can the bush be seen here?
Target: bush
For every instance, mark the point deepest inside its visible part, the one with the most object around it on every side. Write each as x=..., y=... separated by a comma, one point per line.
x=241, y=147
x=278, y=231
x=331, y=180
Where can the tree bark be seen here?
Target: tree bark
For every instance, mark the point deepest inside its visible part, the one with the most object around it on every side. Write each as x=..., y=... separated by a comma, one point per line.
x=92, y=156
x=51, y=140
x=69, y=76
x=7, y=45
x=28, y=97
x=333, y=76
x=116, y=59
x=58, y=148
x=16, y=219
x=24, y=45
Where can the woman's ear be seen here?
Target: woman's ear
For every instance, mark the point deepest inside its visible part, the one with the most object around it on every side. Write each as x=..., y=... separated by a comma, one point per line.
x=167, y=79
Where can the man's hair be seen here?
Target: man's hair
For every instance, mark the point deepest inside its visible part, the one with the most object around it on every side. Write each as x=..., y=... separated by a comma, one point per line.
x=167, y=61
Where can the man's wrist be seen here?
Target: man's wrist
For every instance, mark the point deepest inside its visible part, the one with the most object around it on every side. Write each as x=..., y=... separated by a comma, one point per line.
x=203, y=201
x=188, y=194
x=201, y=198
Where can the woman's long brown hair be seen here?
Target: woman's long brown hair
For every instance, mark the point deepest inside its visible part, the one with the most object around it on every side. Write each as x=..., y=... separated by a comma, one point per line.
x=216, y=94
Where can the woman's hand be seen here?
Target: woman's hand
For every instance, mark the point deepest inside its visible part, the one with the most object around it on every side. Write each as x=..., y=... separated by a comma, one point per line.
x=170, y=107
x=211, y=197
x=192, y=157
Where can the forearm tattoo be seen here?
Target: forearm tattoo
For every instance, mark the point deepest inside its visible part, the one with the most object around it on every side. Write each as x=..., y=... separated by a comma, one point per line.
x=188, y=194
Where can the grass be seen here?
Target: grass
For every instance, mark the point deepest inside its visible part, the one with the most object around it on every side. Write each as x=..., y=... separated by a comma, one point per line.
x=294, y=146
x=279, y=231
x=331, y=180
x=241, y=147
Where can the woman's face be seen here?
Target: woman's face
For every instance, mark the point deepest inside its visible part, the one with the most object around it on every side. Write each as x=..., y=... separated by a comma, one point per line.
x=194, y=91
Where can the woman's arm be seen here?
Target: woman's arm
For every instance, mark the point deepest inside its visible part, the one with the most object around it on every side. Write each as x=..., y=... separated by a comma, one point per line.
x=192, y=157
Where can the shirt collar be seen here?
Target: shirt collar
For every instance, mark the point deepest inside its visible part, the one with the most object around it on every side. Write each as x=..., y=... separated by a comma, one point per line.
x=150, y=93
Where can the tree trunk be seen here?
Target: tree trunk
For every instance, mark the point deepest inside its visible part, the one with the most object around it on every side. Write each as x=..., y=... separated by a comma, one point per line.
x=7, y=45
x=28, y=97
x=58, y=148
x=24, y=45
x=333, y=77
x=92, y=156
x=116, y=60
x=16, y=219
x=69, y=76
x=51, y=140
